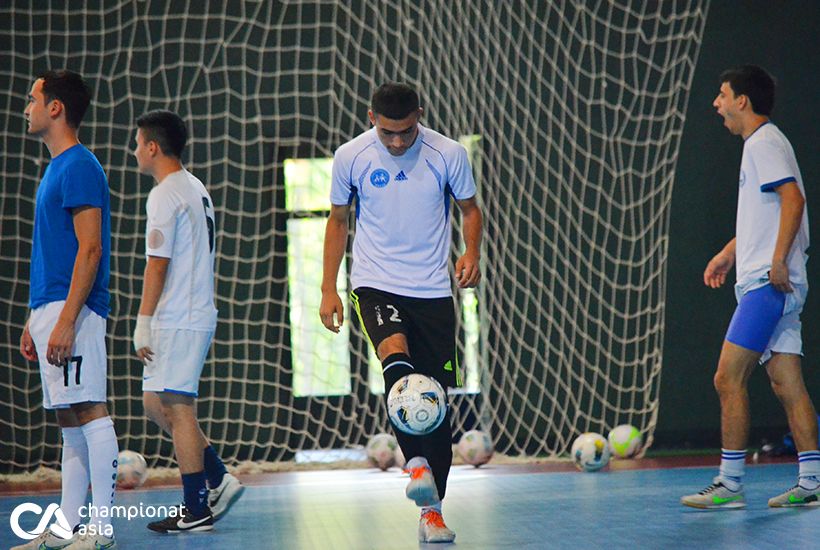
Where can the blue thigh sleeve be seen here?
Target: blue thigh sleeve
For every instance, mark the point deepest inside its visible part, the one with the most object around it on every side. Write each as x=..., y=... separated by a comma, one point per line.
x=756, y=317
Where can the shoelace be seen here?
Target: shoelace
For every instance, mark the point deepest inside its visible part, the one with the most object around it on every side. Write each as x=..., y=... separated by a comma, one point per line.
x=416, y=473
x=711, y=488
x=434, y=518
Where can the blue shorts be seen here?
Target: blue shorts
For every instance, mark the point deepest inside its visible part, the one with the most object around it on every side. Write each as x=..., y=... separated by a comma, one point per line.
x=756, y=317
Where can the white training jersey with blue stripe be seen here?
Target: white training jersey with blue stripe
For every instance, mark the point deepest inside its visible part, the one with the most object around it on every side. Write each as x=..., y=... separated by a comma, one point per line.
x=402, y=242
x=768, y=162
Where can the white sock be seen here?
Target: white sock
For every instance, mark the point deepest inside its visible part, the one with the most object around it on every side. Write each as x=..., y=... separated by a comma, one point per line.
x=102, y=458
x=74, y=475
x=732, y=467
x=809, y=462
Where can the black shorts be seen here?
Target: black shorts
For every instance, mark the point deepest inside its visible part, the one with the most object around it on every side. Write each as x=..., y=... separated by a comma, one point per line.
x=429, y=324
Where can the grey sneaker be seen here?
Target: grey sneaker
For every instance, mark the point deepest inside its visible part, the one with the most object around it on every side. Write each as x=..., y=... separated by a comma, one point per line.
x=46, y=541
x=433, y=529
x=220, y=499
x=716, y=496
x=422, y=487
x=796, y=496
x=92, y=542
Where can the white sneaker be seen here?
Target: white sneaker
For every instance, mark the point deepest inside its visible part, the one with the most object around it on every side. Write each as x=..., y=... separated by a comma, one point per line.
x=716, y=496
x=796, y=496
x=432, y=528
x=220, y=499
x=46, y=541
x=422, y=487
x=88, y=541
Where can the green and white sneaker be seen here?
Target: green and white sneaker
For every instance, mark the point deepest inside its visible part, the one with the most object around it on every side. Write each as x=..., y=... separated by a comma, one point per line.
x=716, y=497
x=92, y=542
x=46, y=541
x=797, y=496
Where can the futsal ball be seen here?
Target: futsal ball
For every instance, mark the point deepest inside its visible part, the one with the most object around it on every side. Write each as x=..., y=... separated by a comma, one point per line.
x=381, y=451
x=416, y=404
x=590, y=452
x=131, y=470
x=625, y=441
x=475, y=447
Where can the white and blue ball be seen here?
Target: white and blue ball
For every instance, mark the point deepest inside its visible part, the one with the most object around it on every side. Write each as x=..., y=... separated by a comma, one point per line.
x=131, y=470
x=590, y=452
x=416, y=404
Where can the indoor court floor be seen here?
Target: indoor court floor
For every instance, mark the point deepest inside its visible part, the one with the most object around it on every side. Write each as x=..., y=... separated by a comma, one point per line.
x=489, y=507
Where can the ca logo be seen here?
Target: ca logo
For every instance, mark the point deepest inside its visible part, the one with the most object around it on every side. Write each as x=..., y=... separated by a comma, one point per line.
x=61, y=528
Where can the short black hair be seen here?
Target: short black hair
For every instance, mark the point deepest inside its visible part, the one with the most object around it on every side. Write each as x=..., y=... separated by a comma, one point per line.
x=167, y=129
x=755, y=83
x=394, y=100
x=71, y=90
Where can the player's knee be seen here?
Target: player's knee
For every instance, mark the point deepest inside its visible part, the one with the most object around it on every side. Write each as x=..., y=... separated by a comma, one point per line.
x=395, y=343
x=152, y=407
x=725, y=383
x=176, y=412
x=787, y=391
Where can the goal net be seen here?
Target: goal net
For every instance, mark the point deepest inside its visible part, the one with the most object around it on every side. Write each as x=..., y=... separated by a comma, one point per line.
x=572, y=113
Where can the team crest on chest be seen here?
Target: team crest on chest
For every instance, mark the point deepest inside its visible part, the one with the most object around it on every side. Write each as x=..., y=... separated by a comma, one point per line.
x=379, y=177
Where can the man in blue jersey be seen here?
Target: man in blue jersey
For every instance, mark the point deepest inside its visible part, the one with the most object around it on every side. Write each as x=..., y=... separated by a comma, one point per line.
x=402, y=177
x=69, y=299
x=769, y=255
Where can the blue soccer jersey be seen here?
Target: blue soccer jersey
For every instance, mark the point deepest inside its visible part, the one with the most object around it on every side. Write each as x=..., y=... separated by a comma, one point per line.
x=402, y=242
x=73, y=179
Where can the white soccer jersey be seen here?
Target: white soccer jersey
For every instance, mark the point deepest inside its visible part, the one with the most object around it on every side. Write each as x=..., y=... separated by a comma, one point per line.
x=402, y=242
x=768, y=162
x=181, y=227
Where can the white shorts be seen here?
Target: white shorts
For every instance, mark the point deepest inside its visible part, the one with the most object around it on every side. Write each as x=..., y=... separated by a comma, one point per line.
x=84, y=377
x=179, y=356
x=786, y=337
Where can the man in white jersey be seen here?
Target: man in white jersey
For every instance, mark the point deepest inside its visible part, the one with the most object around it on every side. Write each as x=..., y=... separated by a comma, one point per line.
x=69, y=303
x=769, y=254
x=177, y=317
x=402, y=177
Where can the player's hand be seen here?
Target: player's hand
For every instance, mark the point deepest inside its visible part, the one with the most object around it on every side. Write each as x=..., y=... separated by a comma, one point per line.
x=142, y=338
x=60, y=343
x=468, y=273
x=779, y=277
x=331, y=311
x=27, y=345
x=716, y=270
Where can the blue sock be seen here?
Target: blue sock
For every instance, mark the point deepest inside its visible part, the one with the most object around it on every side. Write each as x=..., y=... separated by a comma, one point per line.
x=196, y=494
x=214, y=468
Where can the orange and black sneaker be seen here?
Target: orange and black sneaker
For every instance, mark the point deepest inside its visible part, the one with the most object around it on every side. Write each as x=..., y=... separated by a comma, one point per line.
x=422, y=487
x=433, y=529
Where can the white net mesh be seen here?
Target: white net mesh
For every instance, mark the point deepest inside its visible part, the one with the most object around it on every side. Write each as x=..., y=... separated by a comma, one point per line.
x=579, y=108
